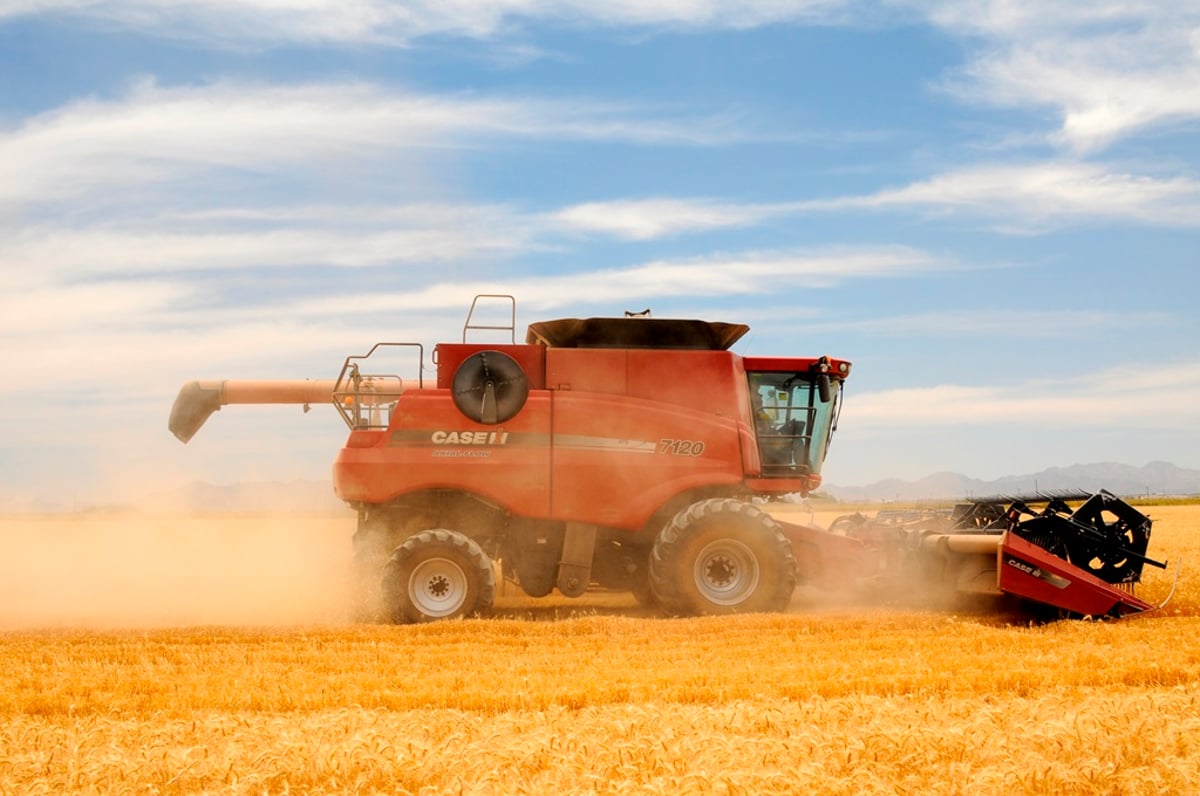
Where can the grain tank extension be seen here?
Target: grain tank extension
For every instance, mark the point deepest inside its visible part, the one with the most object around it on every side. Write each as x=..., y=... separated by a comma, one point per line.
x=627, y=453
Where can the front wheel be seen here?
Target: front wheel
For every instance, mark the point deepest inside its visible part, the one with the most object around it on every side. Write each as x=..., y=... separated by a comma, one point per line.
x=437, y=574
x=722, y=557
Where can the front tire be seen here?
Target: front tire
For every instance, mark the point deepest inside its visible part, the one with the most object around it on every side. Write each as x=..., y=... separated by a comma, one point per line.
x=722, y=557
x=436, y=575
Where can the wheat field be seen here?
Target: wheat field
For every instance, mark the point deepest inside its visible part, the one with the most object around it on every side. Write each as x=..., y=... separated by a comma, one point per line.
x=164, y=654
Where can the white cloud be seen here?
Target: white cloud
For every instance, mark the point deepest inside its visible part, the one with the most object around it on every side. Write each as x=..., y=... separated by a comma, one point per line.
x=53, y=309
x=645, y=219
x=1030, y=197
x=389, y=22
x=1012, y=323
x=137, y=329
x=104, y=358
x=1021, y=197
x=1112, y=399
x=344, y=236
x=1111, y=68
x=743, y=274
x=200, y=140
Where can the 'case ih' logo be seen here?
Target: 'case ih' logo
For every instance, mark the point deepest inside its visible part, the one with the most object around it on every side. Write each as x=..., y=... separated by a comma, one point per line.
x=469, y=437
x=1057, y=581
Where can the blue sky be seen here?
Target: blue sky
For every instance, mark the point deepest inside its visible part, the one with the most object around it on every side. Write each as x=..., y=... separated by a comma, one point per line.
x=991, y=207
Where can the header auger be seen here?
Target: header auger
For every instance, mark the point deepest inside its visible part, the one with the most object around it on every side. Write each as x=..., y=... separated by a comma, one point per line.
x=637, y=453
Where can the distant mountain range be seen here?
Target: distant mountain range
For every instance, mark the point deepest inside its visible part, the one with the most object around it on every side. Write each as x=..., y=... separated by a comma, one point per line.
x=1155, y=478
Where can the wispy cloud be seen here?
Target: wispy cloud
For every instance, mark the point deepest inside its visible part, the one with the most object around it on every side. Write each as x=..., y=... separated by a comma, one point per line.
x=645, y=219
x=392, y=23
x=1032, y=197
x=749, y=273
x=1111, y=68
x=1012, y=197
x=1011, y=324
x=210, y=137
x=1091, y=401
x=66, y=309
x=91, y=330
x=349, y=236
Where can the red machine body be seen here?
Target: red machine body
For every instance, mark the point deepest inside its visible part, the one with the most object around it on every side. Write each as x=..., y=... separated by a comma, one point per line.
x=623, y=453
x=605, y=436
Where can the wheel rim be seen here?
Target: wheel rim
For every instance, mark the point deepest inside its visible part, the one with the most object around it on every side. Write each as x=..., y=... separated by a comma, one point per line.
x=437, y=587
x=726, y=572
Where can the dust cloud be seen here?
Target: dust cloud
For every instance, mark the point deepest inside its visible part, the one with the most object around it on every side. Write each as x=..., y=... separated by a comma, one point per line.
x=155, y=569
x=142, y=569
x=884, y=581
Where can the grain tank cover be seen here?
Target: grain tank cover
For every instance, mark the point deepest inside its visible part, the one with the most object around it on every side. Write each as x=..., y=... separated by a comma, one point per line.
x=669, y=333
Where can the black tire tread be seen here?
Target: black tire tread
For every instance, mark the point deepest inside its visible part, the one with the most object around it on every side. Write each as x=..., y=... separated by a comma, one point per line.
x=667, y=576
x=396, y=603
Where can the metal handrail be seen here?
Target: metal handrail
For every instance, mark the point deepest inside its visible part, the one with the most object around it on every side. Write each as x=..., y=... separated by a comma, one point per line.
x=511, y=328
x=355, y=391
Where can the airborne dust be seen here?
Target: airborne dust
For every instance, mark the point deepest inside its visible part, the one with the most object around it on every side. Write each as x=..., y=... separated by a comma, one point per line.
x=158, y=569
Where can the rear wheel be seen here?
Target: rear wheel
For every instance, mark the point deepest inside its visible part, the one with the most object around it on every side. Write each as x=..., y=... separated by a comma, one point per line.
x=437, y=574
x=722, y=557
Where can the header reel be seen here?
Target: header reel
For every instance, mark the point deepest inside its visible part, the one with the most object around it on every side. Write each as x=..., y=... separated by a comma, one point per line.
x=1105, y=537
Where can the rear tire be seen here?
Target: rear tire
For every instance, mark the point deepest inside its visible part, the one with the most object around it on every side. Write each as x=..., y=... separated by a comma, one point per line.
x=436, y=575
x=722, y=557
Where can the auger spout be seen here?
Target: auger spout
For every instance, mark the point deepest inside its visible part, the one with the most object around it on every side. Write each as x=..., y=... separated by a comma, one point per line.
x=197, y=400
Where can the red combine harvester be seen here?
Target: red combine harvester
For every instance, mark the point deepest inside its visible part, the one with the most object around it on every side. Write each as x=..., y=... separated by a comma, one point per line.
x=636, y=454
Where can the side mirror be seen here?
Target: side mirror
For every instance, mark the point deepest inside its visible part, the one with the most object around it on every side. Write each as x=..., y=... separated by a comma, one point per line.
x=825, y=388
